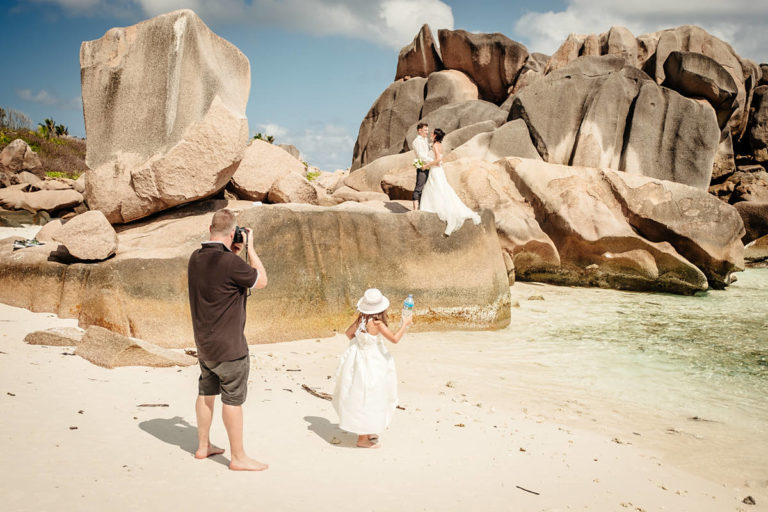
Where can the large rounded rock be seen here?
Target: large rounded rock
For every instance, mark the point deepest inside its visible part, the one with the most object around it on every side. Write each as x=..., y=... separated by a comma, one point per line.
x=510, y=139
x=532, y=70
x=22, y=197
x=319, y=261
x=88, y=236
x=483, y=185
x=454, y=116
x=262, y=165
x=704, y=230
x=419, y=58
x=758, y=124
x=755, y=218
x=350, y=194
x=619, y=41
x=578, y=209
x=650, y=52
x=570, y=50
x=757, y=250
x=164, y=104
x=492, y=61
x=689, y=38
x=749, y=186
x=596, y=112
x=725, y=158
x=292, y=188
x=698, y=76
x=18, y=156
x=447, y=87
x=383, y=131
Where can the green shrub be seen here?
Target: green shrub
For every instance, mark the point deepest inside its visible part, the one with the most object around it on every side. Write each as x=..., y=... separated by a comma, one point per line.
x=61, y=174
x=312, y=175
x=58, y=154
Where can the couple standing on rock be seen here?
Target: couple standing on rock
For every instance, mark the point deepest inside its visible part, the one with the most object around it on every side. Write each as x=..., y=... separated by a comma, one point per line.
x=432, y=192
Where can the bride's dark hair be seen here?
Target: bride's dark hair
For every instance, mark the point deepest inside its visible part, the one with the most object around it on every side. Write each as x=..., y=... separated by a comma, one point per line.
x=439, y=134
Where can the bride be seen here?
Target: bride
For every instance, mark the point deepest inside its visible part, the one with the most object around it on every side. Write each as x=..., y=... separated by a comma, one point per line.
x=438, y=196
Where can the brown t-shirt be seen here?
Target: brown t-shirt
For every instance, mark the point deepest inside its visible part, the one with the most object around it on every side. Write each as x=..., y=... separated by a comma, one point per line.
x=218, y=284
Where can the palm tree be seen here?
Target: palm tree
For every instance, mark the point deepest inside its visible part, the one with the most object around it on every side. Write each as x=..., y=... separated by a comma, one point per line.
x=61, y=130
x=47, y=128
x=265, y=138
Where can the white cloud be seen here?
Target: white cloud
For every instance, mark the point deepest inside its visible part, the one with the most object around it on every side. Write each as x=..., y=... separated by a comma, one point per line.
x=45, y=98
x=392, y=23
x=742, y=23
x=327, y=147
x=275, y=130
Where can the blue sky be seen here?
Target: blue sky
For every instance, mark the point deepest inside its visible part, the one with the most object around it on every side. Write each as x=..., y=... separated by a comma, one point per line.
x=318, y=65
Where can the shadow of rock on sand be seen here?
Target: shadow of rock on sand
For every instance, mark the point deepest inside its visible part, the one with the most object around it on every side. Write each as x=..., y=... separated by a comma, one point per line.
x=330, y=432
x=179, y=432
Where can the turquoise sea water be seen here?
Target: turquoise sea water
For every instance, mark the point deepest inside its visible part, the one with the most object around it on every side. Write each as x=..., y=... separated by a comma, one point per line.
x=705, y=356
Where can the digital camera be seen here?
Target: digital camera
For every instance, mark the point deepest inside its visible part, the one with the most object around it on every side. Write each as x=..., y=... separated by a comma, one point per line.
x=240, y=235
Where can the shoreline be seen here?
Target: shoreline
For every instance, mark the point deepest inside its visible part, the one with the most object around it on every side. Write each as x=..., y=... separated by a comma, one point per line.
x=474, y=433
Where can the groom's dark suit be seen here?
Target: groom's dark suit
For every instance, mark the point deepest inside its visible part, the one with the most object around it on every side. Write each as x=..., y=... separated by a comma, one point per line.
x=421, y=148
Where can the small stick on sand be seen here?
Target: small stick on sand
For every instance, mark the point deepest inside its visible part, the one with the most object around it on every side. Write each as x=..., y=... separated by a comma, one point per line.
x=527, y=490
x=318, y=394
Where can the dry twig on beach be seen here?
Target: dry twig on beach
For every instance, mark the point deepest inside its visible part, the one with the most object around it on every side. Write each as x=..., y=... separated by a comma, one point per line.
x=318, y=394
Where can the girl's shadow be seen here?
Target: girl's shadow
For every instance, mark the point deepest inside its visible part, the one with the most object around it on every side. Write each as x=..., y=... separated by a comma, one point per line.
x=330, y=432
x=177, y=431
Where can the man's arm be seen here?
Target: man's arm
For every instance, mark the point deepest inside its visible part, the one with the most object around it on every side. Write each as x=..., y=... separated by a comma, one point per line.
x=261, y=280
x=253, y=259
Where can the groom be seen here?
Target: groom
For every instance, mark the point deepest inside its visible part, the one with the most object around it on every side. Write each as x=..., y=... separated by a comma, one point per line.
x=423, y=152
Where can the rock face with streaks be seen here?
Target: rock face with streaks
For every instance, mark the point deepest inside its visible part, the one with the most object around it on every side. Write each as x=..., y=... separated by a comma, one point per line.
x=164, y=104
x=319, y=260
x=599, y=112
x=420, y=58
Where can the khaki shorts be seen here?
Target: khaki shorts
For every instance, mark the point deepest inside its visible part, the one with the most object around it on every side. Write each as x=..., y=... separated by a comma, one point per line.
x=228, y=378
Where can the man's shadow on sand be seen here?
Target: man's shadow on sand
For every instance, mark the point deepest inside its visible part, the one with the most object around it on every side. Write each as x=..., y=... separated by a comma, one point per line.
x=179, y=432
x=330, y=432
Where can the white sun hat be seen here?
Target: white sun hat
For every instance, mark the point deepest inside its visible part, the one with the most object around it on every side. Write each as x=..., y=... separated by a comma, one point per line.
x=372, y=302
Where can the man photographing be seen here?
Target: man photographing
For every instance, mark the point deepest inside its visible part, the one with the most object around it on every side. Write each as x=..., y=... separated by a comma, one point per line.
x=219, y=281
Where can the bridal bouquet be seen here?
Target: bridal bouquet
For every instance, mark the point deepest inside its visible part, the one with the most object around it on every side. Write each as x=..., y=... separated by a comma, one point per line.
x=418, y=163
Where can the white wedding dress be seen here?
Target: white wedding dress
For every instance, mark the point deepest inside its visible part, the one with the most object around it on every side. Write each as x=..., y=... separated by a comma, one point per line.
x=439, y=197
x=365, y=394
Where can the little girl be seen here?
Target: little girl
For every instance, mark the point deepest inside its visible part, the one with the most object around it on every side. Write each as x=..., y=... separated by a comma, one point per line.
x=366, y=381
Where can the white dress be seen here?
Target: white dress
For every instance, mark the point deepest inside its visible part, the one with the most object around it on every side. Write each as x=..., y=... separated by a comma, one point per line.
x=439, y=197
x=365, y=394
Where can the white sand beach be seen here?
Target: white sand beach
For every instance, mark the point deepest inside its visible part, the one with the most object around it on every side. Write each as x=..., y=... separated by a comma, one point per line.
x=479, y=431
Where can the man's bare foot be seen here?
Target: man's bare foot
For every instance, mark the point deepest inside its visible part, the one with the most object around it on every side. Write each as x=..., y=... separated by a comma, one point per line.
x=203, y=453
x=247, y=464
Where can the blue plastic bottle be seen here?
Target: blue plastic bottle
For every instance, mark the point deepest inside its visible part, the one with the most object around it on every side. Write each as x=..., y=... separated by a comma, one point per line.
x=408, y=306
